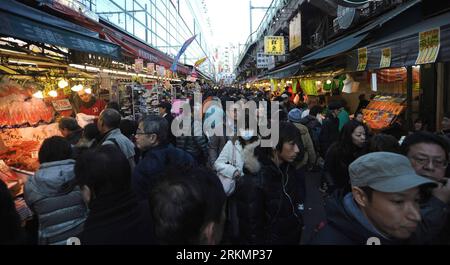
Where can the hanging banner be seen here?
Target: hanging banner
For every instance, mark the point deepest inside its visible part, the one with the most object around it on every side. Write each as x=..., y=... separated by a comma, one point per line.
x=173, y=68
x=385, y=58
x=295, y=32
x=362, y=59
x=150, y=68
x=138, y=65
x=429, y=44
x=199, y=62
x=274, y=45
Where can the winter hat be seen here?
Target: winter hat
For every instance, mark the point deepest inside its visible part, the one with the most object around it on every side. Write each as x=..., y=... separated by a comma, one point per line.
x=295, y=115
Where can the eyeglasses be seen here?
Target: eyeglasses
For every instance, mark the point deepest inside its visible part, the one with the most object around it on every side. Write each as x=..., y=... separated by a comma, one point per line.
x=426, y=161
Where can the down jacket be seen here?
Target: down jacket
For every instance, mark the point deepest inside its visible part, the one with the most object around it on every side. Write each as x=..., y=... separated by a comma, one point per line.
x=59, y=207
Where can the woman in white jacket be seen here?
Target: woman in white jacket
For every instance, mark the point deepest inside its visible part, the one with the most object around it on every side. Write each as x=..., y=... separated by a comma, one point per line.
x=230, y=163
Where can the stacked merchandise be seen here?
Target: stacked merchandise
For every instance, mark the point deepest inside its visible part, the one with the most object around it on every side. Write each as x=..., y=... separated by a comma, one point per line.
x=383, y=110
x=19, y=107
x=24, y=122
x=140, y=101
x=126, y=100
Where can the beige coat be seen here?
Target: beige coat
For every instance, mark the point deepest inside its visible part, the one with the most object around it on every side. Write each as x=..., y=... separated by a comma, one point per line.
x=310, y=154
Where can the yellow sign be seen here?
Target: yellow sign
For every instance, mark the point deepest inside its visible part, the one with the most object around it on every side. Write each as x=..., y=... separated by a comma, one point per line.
x=429, y=44
x=295, y=32
x=274, y=45
x=362, y=59
x=385, y=58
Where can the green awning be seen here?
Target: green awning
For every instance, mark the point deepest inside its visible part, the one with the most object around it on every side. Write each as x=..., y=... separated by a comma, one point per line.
x=23, y=22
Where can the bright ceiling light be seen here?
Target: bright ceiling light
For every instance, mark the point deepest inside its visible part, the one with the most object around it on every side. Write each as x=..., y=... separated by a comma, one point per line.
x=38, y=94
x=53, y=93
x=63, y=83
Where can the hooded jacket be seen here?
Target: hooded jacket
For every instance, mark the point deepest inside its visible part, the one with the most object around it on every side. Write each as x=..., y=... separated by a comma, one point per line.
x=346, y=224
x=309, y=157
x=60, y=207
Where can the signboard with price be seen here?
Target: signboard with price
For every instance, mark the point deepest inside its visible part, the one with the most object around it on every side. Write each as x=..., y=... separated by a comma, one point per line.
x=274, y=45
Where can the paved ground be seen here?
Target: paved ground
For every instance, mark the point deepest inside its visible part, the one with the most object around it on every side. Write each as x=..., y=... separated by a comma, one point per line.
x=314, y=211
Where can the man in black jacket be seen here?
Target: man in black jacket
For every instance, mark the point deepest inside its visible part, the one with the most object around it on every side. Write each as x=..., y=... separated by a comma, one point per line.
x=383, y=207
x=165, y=109
x=330, y=127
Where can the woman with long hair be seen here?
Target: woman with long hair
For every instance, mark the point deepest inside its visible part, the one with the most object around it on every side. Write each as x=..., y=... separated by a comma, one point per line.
x=352, y=144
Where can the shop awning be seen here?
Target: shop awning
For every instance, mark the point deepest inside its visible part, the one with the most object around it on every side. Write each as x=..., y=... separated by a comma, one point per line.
x=347, y=43
x=284, y=72
x=404, y=44
x=23, y=22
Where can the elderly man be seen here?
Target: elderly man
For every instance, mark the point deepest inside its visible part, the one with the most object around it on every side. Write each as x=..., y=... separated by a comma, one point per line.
x=108, y=126
x=158, y=154
x=428, y=154
x=383, y=206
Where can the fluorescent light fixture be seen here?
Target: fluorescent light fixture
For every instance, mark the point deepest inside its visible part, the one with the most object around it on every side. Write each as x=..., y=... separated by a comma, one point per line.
x=38, y=94
x=53, y=93
x=77, y=88
x=63, y=83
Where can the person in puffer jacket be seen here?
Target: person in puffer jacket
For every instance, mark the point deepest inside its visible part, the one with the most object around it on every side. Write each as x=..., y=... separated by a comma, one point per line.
x=51, y=194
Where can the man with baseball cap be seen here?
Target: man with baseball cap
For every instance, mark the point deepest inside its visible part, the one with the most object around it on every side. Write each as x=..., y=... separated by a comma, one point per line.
x=383, y=207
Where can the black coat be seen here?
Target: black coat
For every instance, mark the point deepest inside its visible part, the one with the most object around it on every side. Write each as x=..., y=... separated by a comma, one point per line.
x=336, y=165
x=273, y=212
x=118, y=219
x=329, y=134
x=75, y=137
x=172, y=139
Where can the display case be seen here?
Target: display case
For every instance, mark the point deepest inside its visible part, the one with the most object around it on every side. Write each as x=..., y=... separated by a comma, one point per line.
x=383, y=110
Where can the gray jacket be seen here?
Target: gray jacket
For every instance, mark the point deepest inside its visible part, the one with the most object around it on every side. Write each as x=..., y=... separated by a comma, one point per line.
x=59, y=207
x=125, y=144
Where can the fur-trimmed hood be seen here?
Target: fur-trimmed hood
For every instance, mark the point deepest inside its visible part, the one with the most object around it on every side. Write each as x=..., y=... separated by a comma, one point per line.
x=251, y=162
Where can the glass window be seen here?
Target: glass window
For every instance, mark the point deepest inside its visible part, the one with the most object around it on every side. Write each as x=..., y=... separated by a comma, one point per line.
x=139, y=30
x=129, y=24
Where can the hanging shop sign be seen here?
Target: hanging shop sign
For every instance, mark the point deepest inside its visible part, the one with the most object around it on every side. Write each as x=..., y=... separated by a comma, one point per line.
x=295, y=32
x=162, y=71
x=150, y=68
x=262, y=60
x=362, y=59
x=138, y=65
x=386, y=55
x=429, y=44
x=274, y=45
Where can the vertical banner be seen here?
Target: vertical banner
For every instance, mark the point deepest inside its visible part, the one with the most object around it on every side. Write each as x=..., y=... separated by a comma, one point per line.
x=429, y=44
x=362, y=59
x=386, y=56
x=150, y=68
x=295, y=32
x=138, y=65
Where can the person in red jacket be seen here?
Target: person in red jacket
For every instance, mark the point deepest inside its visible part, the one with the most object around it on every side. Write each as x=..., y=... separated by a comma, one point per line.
x=88, y=104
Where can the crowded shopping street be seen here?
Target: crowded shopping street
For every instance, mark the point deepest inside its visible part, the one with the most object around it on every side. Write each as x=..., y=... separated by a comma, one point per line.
x=247, y=125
